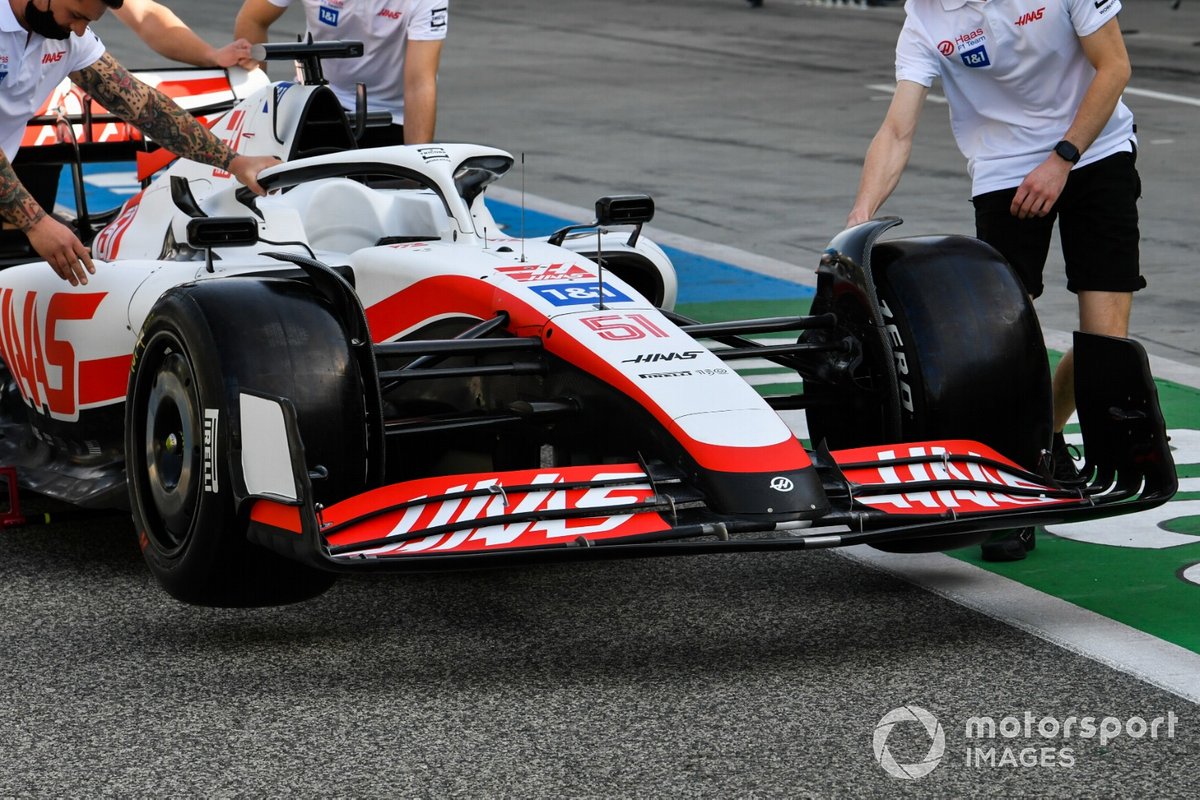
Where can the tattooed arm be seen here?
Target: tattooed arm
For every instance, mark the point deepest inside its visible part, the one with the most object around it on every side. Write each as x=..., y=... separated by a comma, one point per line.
x=157, y=116
x=50, y=239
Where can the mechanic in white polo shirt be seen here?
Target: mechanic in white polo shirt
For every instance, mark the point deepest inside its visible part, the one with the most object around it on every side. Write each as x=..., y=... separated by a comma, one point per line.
x=402, y=45
x=168, y=35
x=1034, y=89
x=44, y=41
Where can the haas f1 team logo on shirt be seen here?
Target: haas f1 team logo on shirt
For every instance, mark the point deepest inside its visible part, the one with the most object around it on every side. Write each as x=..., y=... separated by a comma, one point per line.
x=971, y=48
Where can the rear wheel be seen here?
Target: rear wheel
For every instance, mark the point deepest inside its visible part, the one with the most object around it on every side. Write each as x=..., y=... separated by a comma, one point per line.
x=200, y=347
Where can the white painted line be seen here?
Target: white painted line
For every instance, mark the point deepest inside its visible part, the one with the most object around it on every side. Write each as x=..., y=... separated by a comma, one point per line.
x=887, y=88
x=1164, y=368
x=1086, y=633
x=805, y=275
x=1170, y=98
x=743, y=364
x=1191, y=574
x=113, y=181
x=1150, y=93
x=771, y=379
x=1056, y=340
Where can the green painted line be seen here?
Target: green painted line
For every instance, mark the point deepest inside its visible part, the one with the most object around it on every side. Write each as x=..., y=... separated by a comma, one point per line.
x=1140, y=588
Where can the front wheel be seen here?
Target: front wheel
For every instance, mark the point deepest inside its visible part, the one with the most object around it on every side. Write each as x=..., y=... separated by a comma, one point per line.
x=965, y=352
x=970, y=358
x=969, y=351
x=200, y=347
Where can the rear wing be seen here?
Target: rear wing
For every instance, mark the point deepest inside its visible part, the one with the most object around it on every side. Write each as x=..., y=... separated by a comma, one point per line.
x=71, y=124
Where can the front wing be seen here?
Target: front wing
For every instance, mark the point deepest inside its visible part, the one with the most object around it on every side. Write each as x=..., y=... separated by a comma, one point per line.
x=883, y=495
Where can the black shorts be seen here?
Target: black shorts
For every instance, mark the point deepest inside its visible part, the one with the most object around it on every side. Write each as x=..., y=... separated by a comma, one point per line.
x=1097, y=222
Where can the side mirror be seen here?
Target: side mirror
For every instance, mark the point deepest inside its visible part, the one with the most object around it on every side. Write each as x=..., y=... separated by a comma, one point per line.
x=207, y=232
x=629, y=209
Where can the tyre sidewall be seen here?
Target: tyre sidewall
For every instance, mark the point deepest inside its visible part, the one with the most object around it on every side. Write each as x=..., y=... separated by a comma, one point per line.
x=178, y=318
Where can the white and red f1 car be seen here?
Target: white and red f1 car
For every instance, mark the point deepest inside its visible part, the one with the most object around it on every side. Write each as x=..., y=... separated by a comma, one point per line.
x=362, y=371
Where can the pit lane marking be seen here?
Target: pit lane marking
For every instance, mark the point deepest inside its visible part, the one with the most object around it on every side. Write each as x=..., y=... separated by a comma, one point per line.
x=1148, y=93
x=1170, y=98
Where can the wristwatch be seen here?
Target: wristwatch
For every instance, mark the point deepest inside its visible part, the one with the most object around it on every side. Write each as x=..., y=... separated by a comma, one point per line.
x=1067, y=151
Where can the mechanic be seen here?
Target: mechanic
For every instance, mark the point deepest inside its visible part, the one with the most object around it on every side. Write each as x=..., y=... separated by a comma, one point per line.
x=402, y=42
x=1035, y=106
x=43, y=41
x=169, y=36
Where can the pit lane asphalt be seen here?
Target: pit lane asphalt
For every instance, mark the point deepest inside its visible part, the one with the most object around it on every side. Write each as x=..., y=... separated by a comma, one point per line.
x=755, y=675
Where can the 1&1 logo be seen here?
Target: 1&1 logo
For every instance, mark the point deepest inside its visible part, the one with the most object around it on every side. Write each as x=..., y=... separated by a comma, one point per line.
x=937, y=744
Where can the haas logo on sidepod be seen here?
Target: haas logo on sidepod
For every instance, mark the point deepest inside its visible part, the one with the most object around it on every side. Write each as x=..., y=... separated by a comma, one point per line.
x=42, y=365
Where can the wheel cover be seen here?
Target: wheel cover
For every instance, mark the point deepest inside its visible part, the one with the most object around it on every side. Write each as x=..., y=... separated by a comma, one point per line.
x=172, y=448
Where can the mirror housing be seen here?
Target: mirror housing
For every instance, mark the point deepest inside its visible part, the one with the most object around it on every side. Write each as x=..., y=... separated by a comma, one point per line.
x=625, y=209
x=628, y=209
x=208, y=232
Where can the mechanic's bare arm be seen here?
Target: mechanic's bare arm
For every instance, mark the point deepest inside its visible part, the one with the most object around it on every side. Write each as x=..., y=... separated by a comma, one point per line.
x=50, y=239
x=168, y=35
x=1105, y=49
x=254, y=19
x=420, y=90
x=157, y=116
x=889, y=151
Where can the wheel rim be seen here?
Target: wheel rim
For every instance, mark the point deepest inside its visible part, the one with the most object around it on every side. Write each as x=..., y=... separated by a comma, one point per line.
x=172, y=448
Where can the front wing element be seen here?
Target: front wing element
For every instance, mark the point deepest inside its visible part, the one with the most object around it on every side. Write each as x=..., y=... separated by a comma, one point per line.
x=880, y=495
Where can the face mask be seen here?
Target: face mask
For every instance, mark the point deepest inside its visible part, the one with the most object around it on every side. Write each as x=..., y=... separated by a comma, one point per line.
x=42, y=22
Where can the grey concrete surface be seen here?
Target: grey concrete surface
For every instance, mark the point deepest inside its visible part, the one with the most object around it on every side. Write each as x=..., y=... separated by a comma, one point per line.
x=748, y=676
x=756, y=676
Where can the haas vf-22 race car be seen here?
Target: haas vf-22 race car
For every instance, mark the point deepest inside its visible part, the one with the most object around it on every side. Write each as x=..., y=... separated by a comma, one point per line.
x=362, y=371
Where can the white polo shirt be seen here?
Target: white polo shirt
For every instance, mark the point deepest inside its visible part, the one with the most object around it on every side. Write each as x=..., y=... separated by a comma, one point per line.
x=1014, y=74
x=29, y=71
x=384, y=27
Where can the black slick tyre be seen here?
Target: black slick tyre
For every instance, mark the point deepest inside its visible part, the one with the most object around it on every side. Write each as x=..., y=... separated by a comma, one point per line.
x=200, y=346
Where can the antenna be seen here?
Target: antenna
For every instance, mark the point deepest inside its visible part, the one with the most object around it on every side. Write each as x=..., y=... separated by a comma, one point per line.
x=600, y=265
x=522, y=208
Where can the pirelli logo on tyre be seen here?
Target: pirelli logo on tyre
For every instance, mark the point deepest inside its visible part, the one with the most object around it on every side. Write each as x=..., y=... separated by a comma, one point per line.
x=211, y=419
